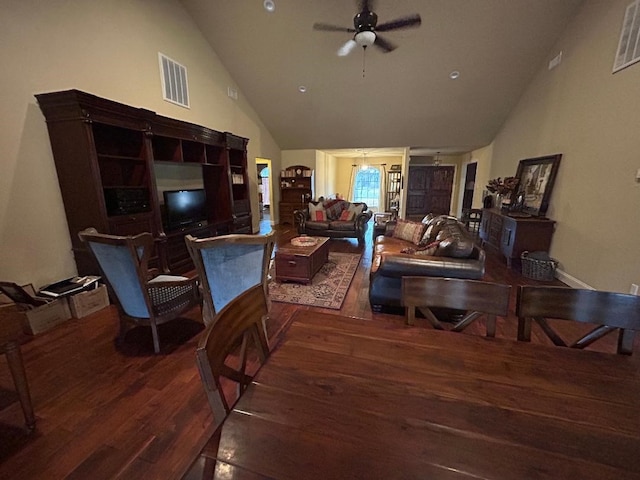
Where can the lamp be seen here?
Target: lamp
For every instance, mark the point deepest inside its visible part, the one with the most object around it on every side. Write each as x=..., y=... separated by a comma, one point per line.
x=365, y=38
x=364, y=161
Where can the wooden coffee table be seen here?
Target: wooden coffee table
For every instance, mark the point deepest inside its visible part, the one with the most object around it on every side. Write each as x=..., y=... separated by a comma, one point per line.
x=300, y=264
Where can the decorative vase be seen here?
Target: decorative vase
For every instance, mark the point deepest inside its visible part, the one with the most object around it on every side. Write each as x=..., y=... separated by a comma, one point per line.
x=498, y=202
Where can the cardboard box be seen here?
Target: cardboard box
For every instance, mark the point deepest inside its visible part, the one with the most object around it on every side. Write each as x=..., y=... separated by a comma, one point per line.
x=43, y=318
x=85, y=303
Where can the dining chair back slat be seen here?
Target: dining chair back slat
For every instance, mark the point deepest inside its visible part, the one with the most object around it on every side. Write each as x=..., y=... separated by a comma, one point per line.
x=473, y=297
x=609, y=311
x=230, y=336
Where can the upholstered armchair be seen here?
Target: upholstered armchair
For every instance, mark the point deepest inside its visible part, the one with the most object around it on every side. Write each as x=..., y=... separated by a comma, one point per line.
x=141, y=298
x=229, y=265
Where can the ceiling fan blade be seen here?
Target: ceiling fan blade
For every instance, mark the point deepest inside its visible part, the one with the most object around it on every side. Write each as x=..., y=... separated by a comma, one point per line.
x=384, y=45
x=346, y=49
x=331, y=28
x=366, y=5
x=410, y=21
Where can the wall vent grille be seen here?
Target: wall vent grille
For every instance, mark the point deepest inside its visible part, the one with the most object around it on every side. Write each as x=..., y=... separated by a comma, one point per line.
x=629, y=45
x=174, y=81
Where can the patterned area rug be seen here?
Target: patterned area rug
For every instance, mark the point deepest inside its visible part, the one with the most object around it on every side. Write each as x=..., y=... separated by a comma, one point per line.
x=327, y=289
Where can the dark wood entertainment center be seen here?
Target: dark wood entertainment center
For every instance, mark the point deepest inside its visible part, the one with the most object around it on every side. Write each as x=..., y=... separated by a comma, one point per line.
x=105, y=153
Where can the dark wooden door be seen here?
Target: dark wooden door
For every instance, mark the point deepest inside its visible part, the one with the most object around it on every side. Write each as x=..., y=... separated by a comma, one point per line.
x=429, y=190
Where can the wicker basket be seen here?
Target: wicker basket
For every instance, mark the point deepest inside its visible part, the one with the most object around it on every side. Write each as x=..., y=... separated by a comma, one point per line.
x=538, y=266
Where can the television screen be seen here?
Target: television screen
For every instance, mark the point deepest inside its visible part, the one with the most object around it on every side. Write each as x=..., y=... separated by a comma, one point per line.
x=184, y=207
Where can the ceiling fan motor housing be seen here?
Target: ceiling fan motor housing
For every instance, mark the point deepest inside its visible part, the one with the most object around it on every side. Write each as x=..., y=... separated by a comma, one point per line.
x=365, y=21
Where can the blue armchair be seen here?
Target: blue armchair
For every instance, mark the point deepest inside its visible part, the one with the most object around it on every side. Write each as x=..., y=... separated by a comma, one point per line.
x=142, y=299
x=229, y=265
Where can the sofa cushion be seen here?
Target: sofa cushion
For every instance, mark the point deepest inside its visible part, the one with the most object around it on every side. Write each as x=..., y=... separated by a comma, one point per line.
x=409, y=231
x=341, y=226
x=455, y=247
x=317, y=213
x=313, y=225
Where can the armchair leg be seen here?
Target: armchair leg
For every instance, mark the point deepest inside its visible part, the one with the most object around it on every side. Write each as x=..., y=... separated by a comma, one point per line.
x=156, y=339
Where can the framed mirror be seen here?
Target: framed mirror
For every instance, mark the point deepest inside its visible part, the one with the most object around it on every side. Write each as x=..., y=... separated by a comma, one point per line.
x=536, y=177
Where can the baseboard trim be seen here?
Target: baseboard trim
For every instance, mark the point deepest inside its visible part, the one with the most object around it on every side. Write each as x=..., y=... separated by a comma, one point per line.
x=573, y=282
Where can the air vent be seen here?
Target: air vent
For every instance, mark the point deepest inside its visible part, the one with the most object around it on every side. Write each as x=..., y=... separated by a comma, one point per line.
x=174, y=81
x=629, y=47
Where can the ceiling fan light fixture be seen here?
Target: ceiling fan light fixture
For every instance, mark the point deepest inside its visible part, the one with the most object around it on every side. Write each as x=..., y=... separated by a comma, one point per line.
x=269, y=6
x=365, y=39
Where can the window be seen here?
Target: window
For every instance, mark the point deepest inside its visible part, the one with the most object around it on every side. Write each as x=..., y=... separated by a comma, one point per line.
x=367, y=187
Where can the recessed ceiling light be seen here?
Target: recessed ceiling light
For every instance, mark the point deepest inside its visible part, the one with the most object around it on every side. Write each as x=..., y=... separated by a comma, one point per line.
x=453, y=75
x=302, y=89
x=269, y=6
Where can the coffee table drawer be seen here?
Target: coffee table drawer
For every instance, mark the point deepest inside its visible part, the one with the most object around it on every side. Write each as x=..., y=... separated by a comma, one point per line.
x=293, y=268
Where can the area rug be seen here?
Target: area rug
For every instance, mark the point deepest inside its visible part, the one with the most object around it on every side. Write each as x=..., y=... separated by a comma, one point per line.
x=327, y=289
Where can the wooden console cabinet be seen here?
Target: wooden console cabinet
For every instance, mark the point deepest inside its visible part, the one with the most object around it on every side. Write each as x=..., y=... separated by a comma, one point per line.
x=512, y=235
x=105, y=155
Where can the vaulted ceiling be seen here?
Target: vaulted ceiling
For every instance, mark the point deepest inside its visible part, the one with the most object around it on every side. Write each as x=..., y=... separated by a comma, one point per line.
x=405, y=97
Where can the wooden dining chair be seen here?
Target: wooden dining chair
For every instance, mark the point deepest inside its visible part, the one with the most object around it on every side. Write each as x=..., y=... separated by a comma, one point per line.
x=610, y=311
x=474, y=297
x=224, y=352
x=143, y=297
x=231, y=334
x=229, y=265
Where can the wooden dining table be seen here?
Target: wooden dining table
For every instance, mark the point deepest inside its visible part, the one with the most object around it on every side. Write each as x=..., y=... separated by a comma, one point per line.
x=345, y=398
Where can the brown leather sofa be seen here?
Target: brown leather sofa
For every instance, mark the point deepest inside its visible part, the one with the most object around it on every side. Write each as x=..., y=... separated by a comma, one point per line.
x=447, y=250
x=332, y=225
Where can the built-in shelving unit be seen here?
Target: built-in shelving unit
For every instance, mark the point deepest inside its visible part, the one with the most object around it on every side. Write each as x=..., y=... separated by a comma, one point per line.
x=296, y=190
x=394, y=176
x=106, y=154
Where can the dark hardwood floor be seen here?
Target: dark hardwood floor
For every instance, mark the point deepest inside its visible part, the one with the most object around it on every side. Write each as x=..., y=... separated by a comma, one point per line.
x=105, y=412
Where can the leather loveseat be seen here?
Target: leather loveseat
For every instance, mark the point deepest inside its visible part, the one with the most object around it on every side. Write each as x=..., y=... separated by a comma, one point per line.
x=442, y=247
x=333, y=218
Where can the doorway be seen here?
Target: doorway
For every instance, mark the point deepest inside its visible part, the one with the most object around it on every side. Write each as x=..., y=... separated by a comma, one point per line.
x=469, y=186
x=265, y=192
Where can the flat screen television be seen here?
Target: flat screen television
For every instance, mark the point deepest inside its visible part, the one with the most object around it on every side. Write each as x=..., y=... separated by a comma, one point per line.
x=184, y=207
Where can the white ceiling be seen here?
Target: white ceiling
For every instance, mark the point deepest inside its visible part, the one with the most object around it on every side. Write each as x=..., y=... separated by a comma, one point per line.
x=406, y=97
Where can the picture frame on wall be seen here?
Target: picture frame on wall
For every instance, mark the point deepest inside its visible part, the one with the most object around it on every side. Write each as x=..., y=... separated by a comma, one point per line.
x=536, y=177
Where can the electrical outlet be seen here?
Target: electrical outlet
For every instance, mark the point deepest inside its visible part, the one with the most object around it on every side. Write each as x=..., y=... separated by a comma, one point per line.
x=634, y=289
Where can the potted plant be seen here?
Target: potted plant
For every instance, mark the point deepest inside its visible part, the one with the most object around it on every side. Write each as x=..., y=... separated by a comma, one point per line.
x=502, y=190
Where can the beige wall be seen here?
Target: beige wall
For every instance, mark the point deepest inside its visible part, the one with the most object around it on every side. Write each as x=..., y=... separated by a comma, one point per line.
x=591, y=116
x=110, y=49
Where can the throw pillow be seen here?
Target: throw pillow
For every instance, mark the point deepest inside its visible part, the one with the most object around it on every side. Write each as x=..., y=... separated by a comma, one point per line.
x=317, y=213
x=347, y=215
x=409, y=231
x=356, y=209
x=334, y=208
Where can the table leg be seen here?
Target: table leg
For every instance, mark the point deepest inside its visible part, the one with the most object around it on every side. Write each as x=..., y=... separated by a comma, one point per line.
x=16, y=366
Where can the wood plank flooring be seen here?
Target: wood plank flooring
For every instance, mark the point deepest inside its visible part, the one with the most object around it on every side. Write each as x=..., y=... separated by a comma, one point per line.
x=108, y=413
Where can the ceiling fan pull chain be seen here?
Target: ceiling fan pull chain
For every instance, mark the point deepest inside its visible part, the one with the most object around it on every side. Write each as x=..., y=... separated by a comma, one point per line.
x=364, y=55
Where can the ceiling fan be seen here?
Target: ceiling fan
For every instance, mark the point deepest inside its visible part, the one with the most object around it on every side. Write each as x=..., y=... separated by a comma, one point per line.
x=366, y=29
